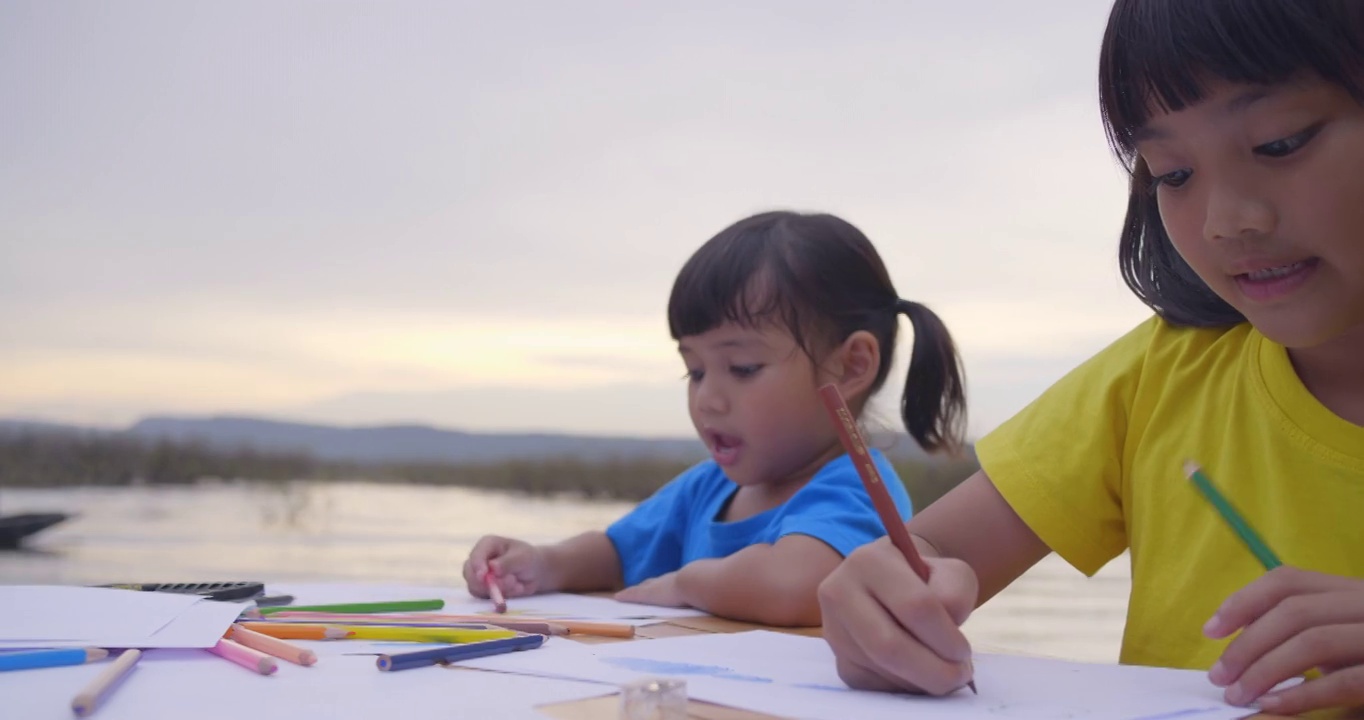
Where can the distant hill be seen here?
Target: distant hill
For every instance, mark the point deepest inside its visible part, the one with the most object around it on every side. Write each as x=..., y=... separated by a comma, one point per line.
x=413, y=443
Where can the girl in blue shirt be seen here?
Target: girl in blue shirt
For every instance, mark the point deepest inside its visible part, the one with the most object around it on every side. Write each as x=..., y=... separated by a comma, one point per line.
x=764, y=313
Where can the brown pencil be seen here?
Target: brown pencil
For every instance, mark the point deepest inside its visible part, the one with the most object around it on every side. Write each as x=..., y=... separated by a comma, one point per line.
x=856, y=445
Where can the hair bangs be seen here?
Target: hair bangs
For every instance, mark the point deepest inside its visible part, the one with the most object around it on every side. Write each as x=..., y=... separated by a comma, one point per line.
x=1159, y=55
x=739, y=280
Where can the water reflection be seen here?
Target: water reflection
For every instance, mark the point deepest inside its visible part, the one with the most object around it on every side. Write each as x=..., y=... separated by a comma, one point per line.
x=309, y=531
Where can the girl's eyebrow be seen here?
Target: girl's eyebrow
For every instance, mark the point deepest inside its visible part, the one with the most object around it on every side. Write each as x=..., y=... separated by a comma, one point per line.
x=730, y=343
x=1240, y=102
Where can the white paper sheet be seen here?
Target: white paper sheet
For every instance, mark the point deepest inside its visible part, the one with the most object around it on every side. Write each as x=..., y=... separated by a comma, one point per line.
x=458, y=601
x=61, y=612
x=119, y=621
x=794, y=676
x=196, y=684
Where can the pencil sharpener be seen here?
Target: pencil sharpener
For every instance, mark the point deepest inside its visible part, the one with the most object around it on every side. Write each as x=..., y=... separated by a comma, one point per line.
x=654, y=699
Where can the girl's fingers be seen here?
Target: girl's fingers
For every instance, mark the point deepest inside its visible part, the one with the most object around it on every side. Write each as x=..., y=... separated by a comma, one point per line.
x=864, y=633
x=1340, y=645
x=1259, y=597
x=921, y=610
x=1340, y=689
x=1287, y=634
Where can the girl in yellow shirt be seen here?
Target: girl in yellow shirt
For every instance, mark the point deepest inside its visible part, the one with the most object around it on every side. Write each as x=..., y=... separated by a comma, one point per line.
x=1242, y=125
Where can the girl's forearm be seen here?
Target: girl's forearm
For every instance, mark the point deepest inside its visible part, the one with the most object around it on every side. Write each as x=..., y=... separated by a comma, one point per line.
x=583, y=563
x=753, y=586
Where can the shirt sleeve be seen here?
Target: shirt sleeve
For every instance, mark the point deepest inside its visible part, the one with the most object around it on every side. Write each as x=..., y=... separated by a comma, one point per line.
x=649, y=539
x=1059, y=462
x=836, y=509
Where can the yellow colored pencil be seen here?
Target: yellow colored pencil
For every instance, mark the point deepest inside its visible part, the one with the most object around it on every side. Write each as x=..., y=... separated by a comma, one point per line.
x=425, y=635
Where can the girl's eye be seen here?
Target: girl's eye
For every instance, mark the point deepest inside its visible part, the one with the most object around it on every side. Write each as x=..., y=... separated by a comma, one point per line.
x=1289, y=145
x=1172, y=179
x=744, y=371
x=694, y=375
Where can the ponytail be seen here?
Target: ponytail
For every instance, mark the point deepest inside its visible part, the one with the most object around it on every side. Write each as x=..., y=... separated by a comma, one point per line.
x=934, y=402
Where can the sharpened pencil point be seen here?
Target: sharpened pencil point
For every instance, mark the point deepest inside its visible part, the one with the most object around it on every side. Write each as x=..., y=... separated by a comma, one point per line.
x=1191, y=467
x=972, y=684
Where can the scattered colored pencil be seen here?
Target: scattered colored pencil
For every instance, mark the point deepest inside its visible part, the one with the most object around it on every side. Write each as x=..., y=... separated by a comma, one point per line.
x=271, y=645
x=1237, y=523
x=56, y=657
x=422, y=658
x=297, y=631
x=365, y=607
x=495, y=592
x=570, y=627
x=537, y=627
x=90, y=698
x=856, y=446
x=426, y=635
x=245, y=656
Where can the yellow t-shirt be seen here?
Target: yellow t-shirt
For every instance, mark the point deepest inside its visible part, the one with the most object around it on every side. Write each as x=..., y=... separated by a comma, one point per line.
x=1094, y=467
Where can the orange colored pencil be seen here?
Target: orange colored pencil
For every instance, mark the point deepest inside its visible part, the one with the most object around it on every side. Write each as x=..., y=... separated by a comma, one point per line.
x=296, y=631
x=271, y=645
x=856, y=445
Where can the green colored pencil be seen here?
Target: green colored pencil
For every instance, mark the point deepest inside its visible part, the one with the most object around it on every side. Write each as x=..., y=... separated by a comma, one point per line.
x=369, y=607
x=1233, y=518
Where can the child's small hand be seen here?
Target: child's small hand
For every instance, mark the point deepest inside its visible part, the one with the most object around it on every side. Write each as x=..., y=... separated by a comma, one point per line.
x=1292, y=621
x=661, y=590
x=517, y=566
x=891, y=631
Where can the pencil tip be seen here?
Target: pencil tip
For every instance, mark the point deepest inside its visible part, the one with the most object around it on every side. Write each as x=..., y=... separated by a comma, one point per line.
x=1190, y=467
x=972, y=684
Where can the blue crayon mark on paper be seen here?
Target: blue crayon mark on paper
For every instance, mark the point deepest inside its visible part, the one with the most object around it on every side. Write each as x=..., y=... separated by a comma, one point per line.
x=665, y=667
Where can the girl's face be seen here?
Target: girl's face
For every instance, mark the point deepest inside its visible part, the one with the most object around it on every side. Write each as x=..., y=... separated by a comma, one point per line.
x=1261, y=190
x=752, y=395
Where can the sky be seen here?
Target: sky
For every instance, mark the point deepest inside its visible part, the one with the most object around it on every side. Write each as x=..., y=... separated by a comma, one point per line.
x=470, y=214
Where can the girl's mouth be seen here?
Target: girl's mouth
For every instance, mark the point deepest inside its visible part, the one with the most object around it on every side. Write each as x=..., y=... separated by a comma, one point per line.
x=724, y=448
x=1272, y=283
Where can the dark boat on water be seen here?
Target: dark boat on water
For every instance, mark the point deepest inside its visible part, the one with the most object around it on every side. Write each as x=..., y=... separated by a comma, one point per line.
x=14, y=528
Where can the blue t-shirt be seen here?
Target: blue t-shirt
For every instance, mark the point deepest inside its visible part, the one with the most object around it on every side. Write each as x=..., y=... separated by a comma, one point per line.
x=678, y=524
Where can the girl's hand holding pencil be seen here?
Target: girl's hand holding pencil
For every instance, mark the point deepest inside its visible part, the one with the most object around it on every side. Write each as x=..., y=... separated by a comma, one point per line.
x=890, y=630
x=517, y=567
x=1292, y=622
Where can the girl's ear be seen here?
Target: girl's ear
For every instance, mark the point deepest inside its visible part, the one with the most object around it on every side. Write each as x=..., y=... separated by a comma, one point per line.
x=854, y=364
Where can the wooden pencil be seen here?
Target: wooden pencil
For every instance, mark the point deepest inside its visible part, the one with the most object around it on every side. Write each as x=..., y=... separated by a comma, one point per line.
x=297, y=631
x=99, y=689
x=1229, y=515
x=495, y=592
x=856, y=446
x=272, y=645
x=248, y=658
x=54, y=657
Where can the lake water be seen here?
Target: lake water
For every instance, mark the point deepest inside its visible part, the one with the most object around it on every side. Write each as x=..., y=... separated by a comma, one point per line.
x=310, y=531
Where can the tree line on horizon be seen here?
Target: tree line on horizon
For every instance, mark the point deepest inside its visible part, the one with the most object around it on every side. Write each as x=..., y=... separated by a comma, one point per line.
x=50, y=458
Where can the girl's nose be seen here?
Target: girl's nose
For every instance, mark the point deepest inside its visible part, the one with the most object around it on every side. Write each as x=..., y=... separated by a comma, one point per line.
x=710, y=397
x=1237, y=211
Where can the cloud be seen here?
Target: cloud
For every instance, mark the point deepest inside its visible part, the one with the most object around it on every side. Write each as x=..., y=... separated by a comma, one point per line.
x=355, y=207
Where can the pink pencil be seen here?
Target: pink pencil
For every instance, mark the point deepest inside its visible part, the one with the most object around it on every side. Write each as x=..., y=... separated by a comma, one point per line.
x=272, y=646
x=245, y=656
x=499, y=602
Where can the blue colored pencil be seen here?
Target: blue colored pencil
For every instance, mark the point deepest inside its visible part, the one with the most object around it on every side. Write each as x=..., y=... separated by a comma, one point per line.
x=55, y=657
x=455, y=653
